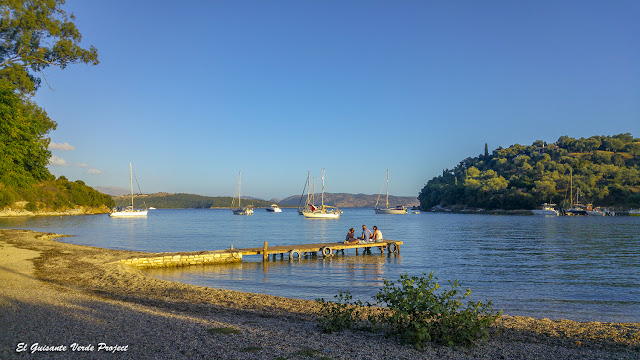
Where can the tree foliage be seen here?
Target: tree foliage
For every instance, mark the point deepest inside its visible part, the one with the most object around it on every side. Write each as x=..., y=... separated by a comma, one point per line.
x=605, y=168
x=34, y=35
x=24, y=152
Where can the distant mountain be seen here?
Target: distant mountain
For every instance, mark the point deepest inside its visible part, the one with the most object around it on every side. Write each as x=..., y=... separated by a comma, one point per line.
x=188, y=201
x=354, y=200
x=112, y=190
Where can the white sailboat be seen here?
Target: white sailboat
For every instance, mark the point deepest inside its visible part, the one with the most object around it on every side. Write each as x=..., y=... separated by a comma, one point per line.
x=128, y=211
x=247, y=210
x=307, y=187
x=322, y=212
x=401, y=209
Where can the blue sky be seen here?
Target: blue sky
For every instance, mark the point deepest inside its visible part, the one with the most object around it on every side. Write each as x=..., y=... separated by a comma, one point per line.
x=193, y=92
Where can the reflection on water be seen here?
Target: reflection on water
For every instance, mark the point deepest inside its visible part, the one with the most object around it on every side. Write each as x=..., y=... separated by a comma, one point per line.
x=308, y=278
x=582, y=268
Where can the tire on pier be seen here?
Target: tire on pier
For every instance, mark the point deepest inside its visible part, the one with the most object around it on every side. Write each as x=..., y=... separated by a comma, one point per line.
x=326, y=251
x=392, y=248
x=293, y=252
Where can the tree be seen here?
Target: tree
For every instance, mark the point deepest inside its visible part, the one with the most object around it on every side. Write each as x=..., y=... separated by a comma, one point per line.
x=34, y=35
x=24, y=152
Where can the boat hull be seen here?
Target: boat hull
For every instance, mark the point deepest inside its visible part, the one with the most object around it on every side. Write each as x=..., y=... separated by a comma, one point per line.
x=242, y=211
x=391, y=211
x=134, y=213
x=320, y=215
x=595, y=213
x=545, y=212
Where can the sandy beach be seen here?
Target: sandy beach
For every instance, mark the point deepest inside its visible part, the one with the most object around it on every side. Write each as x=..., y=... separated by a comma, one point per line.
x=81, y=302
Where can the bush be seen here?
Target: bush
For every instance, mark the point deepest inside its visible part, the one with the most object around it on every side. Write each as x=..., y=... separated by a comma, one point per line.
x=339, y=315
x=420, y=314
x=7, y=197
x=417, y=313
x=31, y=207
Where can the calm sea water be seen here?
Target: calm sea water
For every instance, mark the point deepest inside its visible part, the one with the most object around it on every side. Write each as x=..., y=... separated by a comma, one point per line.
x=580, y=268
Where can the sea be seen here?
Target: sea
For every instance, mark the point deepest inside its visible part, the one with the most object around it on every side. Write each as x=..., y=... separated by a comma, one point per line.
x=579, y=268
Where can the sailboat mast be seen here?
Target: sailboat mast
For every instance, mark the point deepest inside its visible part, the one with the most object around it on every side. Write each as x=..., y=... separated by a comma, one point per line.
x=322, y=188
x=309, y=188
x=387, y=188
x=131, y=177
x=571, y=187
x=303, y=189
x=239, y=187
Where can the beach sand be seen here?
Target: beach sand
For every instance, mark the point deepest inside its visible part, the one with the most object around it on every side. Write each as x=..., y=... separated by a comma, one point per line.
x=57, y=295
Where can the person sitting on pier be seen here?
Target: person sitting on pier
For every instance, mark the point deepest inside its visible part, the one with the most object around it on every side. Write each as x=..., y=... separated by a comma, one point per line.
x=351, y=239
x=366, y=234
x=377, y=234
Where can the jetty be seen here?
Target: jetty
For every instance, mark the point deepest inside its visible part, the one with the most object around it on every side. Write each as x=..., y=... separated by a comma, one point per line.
x=294, y=252
x=326, y=249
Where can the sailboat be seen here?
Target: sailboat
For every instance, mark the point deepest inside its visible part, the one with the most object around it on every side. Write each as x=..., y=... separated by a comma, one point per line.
x=307, y=187
x=401, y=209
x=247, y=210
x=575, y=208
x=322, y=212
x=128, y=211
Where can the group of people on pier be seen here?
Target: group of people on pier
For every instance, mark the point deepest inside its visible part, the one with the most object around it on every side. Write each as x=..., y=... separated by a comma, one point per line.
x=366, y=237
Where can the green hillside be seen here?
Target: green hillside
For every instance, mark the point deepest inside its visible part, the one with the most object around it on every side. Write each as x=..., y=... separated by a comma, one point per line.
x=25, y=181
x=605, y=169
x=188, y=201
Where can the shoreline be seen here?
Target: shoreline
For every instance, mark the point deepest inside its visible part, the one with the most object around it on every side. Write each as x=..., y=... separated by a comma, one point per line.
x=88, y=295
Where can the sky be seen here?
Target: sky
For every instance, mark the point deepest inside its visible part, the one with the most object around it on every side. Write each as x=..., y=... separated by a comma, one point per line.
x=193, y=92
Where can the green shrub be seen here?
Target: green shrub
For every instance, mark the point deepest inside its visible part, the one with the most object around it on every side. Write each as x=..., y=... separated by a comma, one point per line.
x=31, y=207
x=7, y=197
x=339, y=315
x=419, y=314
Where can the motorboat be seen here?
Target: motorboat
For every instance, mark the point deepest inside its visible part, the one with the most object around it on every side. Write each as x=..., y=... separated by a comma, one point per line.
x=591, y=211
x=274, y=208
x=547, y=209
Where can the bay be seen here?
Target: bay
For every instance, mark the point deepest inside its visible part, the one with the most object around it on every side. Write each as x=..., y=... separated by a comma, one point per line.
x=578, y=268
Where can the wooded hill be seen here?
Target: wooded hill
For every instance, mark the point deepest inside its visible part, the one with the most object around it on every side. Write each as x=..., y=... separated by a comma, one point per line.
x=191, y=201
x=605, y=169
x=34, y=36
x=186, y=201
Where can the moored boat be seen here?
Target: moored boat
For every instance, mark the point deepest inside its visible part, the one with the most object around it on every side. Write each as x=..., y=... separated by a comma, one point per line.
x=274, y=208
x=323, y=211
x=634, y=212
x=239, y=210
x=128, y=211
x=400, y=209
x=595, y=211
x=547, y=209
